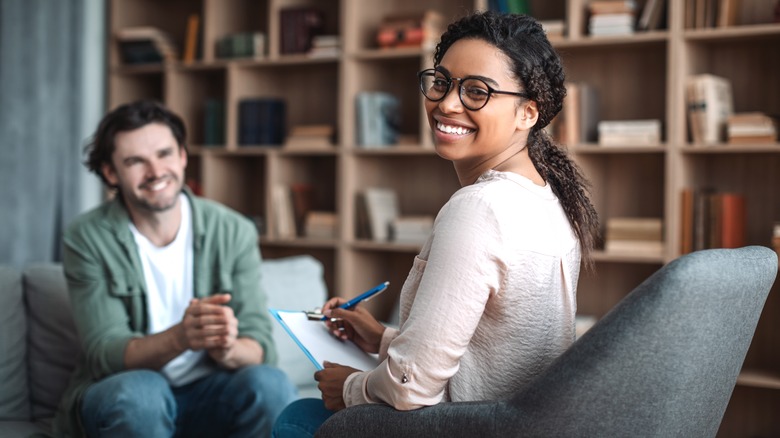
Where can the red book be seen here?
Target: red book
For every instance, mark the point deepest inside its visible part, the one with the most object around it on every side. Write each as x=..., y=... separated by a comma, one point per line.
x=733, y=220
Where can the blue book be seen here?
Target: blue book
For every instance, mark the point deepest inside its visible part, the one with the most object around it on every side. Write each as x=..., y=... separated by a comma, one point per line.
x=378, y=119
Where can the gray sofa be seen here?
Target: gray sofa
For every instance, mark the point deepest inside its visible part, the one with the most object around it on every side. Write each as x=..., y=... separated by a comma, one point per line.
x=39, y=346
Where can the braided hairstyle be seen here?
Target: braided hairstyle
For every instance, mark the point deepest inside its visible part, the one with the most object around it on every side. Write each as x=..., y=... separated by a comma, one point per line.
x=539, y=71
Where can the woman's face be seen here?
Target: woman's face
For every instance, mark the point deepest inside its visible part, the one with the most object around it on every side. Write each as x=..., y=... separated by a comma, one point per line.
x=474, y=138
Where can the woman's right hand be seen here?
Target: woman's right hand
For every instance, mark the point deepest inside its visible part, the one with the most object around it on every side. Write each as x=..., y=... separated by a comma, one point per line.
x=357, y=324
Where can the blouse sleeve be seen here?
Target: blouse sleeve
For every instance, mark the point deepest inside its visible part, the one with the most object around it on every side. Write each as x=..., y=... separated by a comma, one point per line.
x=464, y=269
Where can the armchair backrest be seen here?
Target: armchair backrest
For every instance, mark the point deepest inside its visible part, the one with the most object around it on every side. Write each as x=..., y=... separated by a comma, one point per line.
x=663, y=362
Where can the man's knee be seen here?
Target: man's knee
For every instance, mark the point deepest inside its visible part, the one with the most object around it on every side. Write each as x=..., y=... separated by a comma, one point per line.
x=267, y=385
x=139, y=391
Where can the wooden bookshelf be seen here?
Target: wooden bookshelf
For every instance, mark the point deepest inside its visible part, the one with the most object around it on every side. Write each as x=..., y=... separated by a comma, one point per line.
x=639, y=76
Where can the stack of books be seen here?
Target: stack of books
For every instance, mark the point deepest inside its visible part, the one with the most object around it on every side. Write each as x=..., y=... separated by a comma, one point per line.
x=321, y=225
x=635, y=235
x=145, y=45
x=319, y=136
x=629, y=132
x=554, y=29
x=242, y=45
x=419, y=30
x=325, y=46
x=710, y=103
x=751, y=127
x=412, y=229
x=611, y=17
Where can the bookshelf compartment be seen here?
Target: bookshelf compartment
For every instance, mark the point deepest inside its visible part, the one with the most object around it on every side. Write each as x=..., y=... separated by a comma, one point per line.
x=763, y=355
x=600, y=290
x=640, y=191
x=630, y=80
x=239, y=182
x=226, y=17
x=753, y=175
x=309, y=91
x=751, y=66
x=188, y=92
x=422, y=184
x=170, y=16
x=396, y=76
x=371, y=14
x=128, y=87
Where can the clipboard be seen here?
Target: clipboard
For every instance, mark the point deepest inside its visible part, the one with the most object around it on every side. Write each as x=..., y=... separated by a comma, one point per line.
x=319, y=345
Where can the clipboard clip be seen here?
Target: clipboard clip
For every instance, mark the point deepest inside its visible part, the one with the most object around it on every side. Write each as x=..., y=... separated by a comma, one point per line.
x=314, y=315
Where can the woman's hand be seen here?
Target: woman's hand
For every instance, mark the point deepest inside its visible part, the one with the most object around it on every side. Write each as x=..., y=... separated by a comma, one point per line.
x=357, y=325
x=331, y=384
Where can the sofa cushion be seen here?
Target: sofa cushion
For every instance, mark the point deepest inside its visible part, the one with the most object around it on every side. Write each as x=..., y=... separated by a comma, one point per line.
x=294, y=283
x=53, y=344
x=14, y=397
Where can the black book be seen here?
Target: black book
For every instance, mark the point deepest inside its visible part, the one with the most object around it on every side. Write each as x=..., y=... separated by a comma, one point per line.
x=261, y=122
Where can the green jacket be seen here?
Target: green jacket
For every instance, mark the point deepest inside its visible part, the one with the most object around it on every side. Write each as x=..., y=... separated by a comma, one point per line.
x=108, y=292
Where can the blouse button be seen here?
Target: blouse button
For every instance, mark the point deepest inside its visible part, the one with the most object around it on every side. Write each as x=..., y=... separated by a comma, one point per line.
x=404, y=378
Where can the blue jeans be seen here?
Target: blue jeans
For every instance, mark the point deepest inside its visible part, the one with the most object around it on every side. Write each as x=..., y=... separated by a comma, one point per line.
x=141, y=403
x=301, y=419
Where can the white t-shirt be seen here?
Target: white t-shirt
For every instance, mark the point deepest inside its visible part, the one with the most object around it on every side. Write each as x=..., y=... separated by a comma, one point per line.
x=169, y=278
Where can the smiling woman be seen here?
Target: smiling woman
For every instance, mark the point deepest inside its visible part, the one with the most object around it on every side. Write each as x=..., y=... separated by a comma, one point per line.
x=504, y=255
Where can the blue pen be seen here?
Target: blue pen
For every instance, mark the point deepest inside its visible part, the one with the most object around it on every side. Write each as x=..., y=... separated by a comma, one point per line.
x=362, y=297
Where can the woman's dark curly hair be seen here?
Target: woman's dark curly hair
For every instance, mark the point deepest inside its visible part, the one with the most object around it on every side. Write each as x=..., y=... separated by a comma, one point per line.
x=128, y=117
x=539, y=71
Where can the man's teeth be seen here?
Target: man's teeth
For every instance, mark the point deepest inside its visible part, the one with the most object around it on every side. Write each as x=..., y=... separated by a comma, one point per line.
x=459, y=130
x=158, y=185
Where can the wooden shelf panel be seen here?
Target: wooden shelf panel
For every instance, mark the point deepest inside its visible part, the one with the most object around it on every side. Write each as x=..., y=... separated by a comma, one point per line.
x=732, y=149
x=759, y=379
x=602, y=256
x=596, y=149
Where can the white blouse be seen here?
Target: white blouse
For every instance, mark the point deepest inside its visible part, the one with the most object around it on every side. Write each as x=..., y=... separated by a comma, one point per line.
x=488, y=303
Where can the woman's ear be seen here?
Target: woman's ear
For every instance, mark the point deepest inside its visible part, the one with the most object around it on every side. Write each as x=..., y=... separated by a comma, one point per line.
x=527, y=115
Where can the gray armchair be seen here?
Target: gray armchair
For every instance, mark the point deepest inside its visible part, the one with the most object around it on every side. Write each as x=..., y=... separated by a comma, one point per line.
x=663, y=363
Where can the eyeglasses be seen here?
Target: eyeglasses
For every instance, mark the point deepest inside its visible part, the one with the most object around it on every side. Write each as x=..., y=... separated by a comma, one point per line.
x=474, y=93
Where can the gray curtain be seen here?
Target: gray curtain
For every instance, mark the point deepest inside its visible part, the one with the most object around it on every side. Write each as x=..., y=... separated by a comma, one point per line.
x=42, y=120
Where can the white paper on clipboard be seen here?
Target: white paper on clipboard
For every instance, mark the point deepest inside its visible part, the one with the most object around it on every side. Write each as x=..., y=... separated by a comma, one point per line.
x=319, y=345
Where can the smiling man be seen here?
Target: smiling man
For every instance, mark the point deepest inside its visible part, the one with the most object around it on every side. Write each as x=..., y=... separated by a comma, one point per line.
x=165, y=290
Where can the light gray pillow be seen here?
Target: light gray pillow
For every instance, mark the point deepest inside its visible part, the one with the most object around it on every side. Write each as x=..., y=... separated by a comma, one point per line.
x=53, y=344
x=293, y=283
x=14, y=398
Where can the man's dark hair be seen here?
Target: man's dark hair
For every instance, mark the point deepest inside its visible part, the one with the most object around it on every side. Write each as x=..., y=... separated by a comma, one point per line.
x=128, y=117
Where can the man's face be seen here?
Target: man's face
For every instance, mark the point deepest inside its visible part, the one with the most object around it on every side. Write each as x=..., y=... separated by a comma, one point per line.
x=148, y=168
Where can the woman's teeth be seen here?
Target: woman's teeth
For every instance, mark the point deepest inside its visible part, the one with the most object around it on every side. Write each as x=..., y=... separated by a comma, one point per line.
x=459, y=130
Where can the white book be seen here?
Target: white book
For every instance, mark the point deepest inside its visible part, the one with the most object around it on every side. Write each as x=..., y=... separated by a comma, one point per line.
x=382, y=210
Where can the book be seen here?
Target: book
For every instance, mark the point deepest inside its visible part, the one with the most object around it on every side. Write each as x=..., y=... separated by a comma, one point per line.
x=652, y=15
x=302, y=202
x=629, y=132
x=634, y=228
x=298, y=26
x=596, y=7
x=214, y=122
x=191, y=39
x=710, y=103
x=635, y=247
x=753, y=127
x=381, y=210
x=261, y=122
x=319, y=345
x=580, y=114
x=686, y=221
x=283, y=213
x=378, y=119
x=145, y=44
